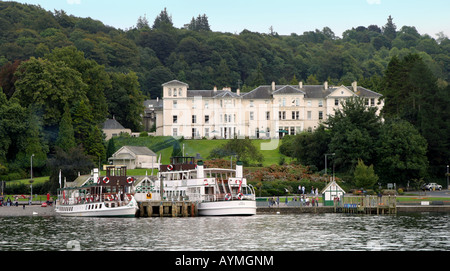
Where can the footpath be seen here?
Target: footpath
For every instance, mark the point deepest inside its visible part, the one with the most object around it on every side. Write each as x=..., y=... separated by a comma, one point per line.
x=29, y=210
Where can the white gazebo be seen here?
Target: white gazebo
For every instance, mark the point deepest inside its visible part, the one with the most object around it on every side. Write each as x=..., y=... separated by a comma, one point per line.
x=134, y=157
x=331, y=192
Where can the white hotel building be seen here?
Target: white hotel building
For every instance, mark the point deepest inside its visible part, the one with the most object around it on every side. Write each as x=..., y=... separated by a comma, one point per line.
x=269, y=111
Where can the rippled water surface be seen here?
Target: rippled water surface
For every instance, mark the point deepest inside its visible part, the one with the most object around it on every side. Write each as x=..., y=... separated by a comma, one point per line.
x=318, y=232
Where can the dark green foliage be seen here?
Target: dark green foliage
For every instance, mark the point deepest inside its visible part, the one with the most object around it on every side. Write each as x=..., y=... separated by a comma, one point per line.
x=243, y=149
x=50, y=59
x=71, y=163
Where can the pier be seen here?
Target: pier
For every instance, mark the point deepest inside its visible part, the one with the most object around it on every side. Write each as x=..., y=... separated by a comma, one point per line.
x=167, y=209
x=352, y=205
x=385, y=205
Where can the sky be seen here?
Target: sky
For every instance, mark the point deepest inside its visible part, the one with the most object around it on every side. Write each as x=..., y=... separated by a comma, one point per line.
x=285, y=16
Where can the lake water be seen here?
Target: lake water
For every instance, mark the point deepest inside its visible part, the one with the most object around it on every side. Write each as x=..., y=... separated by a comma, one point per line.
x=302, y=232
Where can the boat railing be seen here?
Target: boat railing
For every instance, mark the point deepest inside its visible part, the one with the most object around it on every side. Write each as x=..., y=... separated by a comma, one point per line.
x=96, y=198
x=228, y=196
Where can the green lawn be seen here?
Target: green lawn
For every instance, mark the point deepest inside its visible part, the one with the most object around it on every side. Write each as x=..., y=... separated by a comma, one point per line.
x=163, y=145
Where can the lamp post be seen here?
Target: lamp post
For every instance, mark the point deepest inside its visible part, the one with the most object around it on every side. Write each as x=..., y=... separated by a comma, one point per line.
x=31, y=177
x=447, y=177
x=326, y=154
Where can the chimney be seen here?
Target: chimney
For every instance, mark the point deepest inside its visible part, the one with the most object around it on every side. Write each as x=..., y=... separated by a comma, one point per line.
x=355, y=86
x=325, y=85
x=238, y=91
x=215, y=88
x=273, y=85
x=300, y=84
x=157, y=99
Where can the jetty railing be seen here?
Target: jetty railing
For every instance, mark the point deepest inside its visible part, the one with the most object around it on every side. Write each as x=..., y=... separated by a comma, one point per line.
x=366, y=204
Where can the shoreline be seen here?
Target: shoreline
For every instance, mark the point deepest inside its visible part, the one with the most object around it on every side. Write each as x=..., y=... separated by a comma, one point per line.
x=29, y=210
x=38, y=211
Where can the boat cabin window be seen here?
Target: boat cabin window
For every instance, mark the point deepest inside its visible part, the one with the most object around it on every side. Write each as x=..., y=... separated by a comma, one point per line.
x=116, y=171
x=182, y=160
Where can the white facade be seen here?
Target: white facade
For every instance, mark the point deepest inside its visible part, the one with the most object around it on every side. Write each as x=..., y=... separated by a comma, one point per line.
x=134, y=157
x=265, y=112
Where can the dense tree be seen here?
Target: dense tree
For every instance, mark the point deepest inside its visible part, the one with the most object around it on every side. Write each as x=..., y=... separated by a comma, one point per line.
x=66, y=135
x=48, y=85
x=163, y=20
x=365, y=176
x=199, y=24
x=93, y=75
x=415, y=87
x=33, y=145
x=243, y=149
x=12, y=128
x=71, y=164
x=125, y=101
x=308, y=148
x=354, y=131
x=401, y=153
x=390, y=29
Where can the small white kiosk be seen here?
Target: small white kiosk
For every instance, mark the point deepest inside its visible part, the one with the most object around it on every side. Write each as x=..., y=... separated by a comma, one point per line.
x=331, y=192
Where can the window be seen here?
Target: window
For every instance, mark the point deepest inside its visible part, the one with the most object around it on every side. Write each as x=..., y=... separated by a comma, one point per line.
x=206, y=118
x=206, y=132
x=170, y=92
x=308, y=103
x=320, y=115
x=267, y=115
x=308, y=114
x=174, y=119
x=251, y=103
x=175, y=92
x=293, y=115
x=175, y=103
x=174, y=132
x=336, y=101
x=180, y=92
x=251, y=115
x=372, y=101
x=194, y=132
x=320, y=103
x=194, y=119
x=297, y=115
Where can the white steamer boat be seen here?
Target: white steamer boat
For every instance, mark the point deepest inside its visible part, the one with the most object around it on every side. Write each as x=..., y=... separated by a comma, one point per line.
x=108, y=196
x=217, y=191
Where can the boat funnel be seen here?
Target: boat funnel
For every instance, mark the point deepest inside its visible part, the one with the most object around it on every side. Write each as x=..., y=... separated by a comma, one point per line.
x=200, y=172
x=239, y=169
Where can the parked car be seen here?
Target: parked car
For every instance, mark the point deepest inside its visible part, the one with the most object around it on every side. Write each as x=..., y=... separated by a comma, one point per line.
x=432, y=186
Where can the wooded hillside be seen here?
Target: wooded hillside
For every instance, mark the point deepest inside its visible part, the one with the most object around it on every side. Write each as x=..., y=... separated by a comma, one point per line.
x=159, y=52
x=61, y=76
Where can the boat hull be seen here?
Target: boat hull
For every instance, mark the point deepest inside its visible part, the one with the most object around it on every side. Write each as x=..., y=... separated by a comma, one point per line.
x=227, y=208
x=82, y=210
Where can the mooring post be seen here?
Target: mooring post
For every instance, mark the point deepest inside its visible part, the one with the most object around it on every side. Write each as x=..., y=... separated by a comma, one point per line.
x=149, y=210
